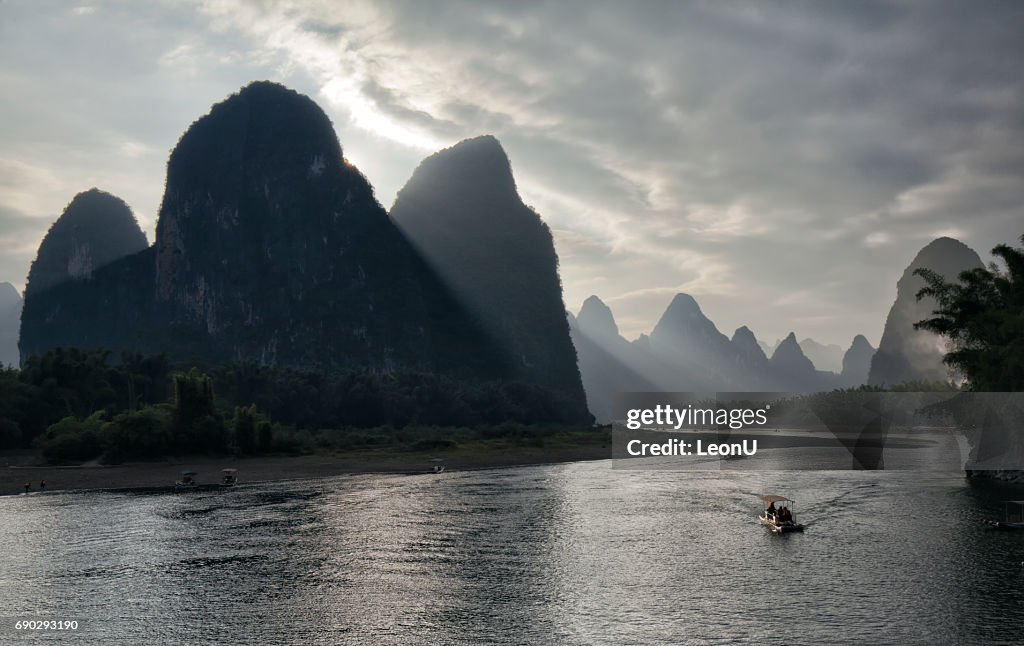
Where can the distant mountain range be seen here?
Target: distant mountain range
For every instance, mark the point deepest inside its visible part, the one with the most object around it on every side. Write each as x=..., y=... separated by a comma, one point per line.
x=824, y=357
x=686, y=352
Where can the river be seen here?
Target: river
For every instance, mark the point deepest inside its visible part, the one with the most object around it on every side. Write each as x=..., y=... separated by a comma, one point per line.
x=575, y=553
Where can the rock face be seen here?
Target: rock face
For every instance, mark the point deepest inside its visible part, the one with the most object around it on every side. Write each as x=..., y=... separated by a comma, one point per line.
x=91, y=282
x=271, y=248
x=10, y=320
x=905, y=354
x=462, y=212
x=857, y=362
x=95, y=229
x=824, y=356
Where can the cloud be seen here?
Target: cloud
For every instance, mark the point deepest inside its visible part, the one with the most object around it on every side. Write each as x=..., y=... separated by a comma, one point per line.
x=741, y=151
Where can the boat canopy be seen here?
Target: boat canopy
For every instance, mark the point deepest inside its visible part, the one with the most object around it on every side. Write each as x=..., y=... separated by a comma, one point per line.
x=771, y=499
x=1015, y=502
x=226, y=471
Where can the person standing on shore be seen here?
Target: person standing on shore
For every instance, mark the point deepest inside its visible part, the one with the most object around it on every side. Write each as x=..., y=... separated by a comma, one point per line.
x=28, y=485
x=42, y=485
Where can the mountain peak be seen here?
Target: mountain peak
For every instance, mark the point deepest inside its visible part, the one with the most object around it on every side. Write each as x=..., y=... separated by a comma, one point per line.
x=824, y=356
x=744, y=336
x=596, y=318
x=790, y=356
x=95, y=229
x=9, y=294
x=944, y=244
x=746, y=343
x=682, y=308
x=857, y=362
x=478, y=164
x=860, y=340
x=905, y=354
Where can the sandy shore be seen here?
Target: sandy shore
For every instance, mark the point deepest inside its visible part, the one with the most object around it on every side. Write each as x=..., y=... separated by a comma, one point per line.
x=14, y=472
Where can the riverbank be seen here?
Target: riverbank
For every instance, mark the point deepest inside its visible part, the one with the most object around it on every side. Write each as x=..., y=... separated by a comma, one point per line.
x=17, y=468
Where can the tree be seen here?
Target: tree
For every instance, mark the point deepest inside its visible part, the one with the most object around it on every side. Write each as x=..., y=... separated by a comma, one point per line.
x=244, y=426
x=983, y=317
x=143, y=433
x=196, y=423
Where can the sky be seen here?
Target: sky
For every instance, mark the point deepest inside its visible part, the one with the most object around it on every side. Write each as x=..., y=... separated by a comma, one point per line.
x=782, y=162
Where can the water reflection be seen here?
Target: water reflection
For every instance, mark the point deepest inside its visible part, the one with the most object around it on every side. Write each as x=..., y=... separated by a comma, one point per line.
x=567, y=554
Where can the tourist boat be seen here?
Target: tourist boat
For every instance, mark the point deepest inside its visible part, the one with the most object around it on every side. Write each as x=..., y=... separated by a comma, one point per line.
x=772, y=521
x=229, y=477
x=1013, y=516
x=188, y=480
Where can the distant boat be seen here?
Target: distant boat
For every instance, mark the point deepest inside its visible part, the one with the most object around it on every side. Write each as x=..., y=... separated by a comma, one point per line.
x=782, y=520
x=229, y=477
x=188, y=480
x=1013, y=516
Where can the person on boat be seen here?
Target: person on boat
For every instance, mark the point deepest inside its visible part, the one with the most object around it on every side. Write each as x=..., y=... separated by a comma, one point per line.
x=784, y=515
x=770, y=512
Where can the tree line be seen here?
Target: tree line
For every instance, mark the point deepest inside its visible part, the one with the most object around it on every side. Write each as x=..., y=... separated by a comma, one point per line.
x=76, y=405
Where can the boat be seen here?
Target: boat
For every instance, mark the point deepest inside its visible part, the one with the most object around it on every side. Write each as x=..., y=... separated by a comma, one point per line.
x=229, y=477
x=773, y=521
x=1013, y=516
x=188, y=480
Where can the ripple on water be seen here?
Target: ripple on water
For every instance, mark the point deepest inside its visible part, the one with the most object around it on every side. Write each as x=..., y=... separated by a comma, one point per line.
x=568, y=554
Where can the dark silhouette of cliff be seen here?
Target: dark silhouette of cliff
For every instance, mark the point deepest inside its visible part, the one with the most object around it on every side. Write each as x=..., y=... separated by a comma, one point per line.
x=857, y=362
x=271, y=249
x=462, y=212
x=95, y=229
x=91, y=282
x=905, y=354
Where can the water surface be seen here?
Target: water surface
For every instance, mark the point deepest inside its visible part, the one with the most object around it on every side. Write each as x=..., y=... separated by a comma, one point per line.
x=565, y=554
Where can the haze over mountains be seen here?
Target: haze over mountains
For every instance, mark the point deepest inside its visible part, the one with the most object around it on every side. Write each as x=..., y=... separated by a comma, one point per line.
x=687, y=352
